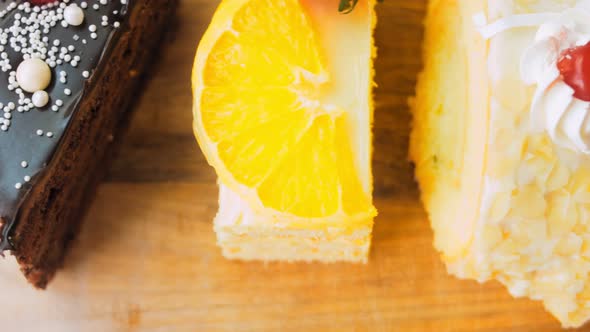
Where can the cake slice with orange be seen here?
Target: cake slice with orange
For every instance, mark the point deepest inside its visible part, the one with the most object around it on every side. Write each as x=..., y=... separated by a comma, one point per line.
x=283, y=111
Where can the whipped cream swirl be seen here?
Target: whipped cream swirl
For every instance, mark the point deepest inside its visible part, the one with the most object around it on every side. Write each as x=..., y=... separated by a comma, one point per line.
x=554, y=108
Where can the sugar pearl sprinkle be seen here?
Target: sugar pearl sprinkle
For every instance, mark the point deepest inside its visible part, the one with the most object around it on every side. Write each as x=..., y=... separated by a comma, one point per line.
x=39, y=65
x=33, y=75
x=40, y=98
x=73, y=15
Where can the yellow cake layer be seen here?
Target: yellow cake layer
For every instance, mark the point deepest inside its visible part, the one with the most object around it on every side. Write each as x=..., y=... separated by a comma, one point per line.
x=244, y=235
x=505, y=201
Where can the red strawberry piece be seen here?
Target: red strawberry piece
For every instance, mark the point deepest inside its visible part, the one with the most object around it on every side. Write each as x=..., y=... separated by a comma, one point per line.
x=574, y=66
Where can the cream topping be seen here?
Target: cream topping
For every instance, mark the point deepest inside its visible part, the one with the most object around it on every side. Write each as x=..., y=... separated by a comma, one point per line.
x=554, y=108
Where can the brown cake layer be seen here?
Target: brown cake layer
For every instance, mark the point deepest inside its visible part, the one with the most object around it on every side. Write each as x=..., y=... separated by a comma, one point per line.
x=49, y=217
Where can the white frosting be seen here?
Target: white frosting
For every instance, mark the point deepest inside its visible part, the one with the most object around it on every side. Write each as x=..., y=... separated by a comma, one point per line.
x=510, y=22
x=554, y=108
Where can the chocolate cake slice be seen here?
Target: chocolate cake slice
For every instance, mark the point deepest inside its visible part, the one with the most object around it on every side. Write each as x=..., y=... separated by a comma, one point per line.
x=68, y=72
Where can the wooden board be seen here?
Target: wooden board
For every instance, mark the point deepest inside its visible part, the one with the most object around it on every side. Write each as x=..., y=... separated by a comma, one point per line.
x=146, y=259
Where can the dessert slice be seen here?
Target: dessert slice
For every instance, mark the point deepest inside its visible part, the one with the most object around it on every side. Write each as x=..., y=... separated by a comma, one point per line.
x=70, y=70
x=501, y=146
x=282, y=96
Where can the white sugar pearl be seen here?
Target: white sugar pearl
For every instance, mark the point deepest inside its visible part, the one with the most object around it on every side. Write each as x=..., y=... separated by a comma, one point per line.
x=40, y=98
x=33, y=75
x=74, y=15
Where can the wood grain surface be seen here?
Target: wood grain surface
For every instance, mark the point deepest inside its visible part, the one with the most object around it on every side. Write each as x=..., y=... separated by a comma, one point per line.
x=146, y=259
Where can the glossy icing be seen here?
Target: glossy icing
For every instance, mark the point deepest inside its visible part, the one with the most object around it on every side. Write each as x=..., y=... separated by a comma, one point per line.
x=34, y=136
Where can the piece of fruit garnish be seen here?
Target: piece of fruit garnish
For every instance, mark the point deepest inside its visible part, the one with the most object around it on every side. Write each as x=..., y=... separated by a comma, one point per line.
x=574, y=66
x=279, y=122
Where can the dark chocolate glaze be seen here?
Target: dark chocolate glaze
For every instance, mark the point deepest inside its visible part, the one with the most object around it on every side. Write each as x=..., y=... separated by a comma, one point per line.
x=20, y=142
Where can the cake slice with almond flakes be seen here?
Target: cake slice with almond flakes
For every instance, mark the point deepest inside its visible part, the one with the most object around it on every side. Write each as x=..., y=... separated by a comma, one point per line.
x=501, y=143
